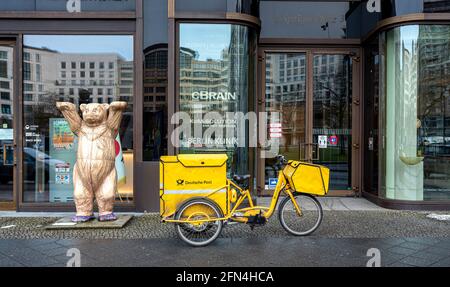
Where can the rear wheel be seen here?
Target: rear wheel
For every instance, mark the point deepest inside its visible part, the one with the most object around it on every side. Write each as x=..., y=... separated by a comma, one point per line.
x=199, y=233
x=305, y=222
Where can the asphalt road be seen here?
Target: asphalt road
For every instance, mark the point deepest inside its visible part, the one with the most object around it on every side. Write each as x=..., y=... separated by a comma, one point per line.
x=252, y=252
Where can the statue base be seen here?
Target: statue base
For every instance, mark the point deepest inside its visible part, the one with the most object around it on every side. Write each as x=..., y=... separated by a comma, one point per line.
x=66, y=223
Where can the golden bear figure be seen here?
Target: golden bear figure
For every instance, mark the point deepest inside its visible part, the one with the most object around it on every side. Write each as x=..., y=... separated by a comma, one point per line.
x=94, y=173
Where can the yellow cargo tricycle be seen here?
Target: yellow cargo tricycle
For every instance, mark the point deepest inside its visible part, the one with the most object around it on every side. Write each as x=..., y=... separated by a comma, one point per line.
x=197, y=196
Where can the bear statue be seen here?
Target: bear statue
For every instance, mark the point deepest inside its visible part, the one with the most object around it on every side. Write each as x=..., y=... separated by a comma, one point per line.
x=94, y=173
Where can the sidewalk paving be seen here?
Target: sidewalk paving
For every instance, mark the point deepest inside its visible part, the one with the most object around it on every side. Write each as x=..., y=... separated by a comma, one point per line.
x=336, y=203
x=335, y=224
x=349, y=228
x=328, y=203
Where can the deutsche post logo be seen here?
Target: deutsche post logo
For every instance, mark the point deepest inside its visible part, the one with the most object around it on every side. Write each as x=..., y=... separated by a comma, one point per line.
x=180, y=181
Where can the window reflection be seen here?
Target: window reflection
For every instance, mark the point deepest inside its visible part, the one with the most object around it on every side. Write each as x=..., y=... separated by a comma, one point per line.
x=371, y=115
x=332, y=112
x=6, y=123
x=417, y=147
x=155, y=102
x=216, y=71
x=285, y=105
x=55, y=69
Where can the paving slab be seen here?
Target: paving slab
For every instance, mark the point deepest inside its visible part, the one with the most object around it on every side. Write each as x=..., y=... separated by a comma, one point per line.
x=356, y=203
x=6, y=214
x=337, y=203
x=254, y=252
x=66, y=223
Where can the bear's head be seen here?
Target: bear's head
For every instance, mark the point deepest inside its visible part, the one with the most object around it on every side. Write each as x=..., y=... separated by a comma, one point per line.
x=94, y=114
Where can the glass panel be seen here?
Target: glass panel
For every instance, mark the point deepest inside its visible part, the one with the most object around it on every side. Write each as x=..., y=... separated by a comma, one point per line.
x=6, y=124
x=371, y=115
x=393, y=8
x=250, y=7
x=332, y=112
x=155, y=102
x=309, y=19
x=155, y=116
x=216, y=74
x=416, y=146
x=49, y=145
x=285, y=104
x=64, y=5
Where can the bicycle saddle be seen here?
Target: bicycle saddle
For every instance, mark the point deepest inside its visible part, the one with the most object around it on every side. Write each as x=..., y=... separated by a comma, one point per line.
x=240, y=178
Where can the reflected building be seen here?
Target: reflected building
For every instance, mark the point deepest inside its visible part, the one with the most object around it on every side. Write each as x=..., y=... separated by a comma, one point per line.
x=434, y=68
x=200, y=76
x=436, y=6
x=214, y=76
x=6, y=86
x=205, y=85
x=285, y=97
x=51, y=76
x=155, y=78
x=331, y=90
x=155, y=102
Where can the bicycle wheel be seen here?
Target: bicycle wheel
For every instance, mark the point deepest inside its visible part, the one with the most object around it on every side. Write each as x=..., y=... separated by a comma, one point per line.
x=304, y=223
x=200, y=233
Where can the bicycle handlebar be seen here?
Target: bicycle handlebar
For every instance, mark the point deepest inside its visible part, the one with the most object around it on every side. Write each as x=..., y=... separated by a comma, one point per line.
x=281, y=162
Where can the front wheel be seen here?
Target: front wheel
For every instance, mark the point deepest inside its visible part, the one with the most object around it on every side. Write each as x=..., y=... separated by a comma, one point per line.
x=199, y=227
x=304, y=222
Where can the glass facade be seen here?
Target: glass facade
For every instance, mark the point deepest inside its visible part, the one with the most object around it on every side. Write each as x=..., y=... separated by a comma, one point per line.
x=155, y=102
x=415, y=113
x=391, y=8
x=216, y=78
x=317, y=19
x=250, y=7
x=332, y=117
x=91, y=69
x=155, y=96
x=328, y=141
x=309, y=73
x=373, y=61
x=63, y=5
x=6, y=123
x=285, y=84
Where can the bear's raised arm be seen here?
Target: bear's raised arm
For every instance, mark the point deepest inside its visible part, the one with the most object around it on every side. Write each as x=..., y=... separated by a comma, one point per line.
x=70, y=113
x=115, y=115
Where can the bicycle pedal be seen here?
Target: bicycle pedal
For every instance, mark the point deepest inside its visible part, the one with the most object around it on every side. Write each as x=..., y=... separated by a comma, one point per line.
x=256, y=220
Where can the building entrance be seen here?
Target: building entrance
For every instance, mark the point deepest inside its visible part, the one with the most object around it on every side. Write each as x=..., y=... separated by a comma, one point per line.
x=7, y=142
x=312, y=100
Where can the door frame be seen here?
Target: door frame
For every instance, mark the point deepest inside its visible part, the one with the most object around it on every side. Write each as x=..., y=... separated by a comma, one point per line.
x=355, y=52
x=13, y=41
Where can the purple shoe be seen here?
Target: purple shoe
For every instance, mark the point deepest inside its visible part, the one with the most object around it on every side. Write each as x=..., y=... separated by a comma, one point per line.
x=107, y=217
x=82, y=218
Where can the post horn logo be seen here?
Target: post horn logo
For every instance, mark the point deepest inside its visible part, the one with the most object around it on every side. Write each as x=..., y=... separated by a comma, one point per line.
x=180, y=181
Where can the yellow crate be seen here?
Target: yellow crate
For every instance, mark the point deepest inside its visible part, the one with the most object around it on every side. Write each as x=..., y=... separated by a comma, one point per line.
x=192, y=175
x=307, y=177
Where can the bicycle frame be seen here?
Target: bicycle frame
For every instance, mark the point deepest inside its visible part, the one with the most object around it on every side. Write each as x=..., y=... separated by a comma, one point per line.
x=282, y=186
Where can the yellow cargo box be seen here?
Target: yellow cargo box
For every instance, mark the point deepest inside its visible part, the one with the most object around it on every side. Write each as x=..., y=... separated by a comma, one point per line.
x=192, y=175
x=307, y=177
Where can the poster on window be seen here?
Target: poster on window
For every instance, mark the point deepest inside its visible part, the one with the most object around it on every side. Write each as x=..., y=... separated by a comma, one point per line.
x=61, y=160
x=120, y=164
